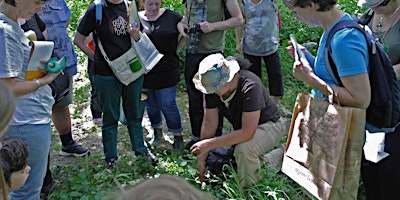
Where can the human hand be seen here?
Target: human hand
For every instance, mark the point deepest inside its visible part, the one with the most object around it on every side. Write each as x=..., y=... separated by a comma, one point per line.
x=200, y=147
x=181, y=28
x=134, y=29
x=201, y=162
x=291, y=50
x=49, y=77
x=302, y=70
x=239, y=47
x=206, y=27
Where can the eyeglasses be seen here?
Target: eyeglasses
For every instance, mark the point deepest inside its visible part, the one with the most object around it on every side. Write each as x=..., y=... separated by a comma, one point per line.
x=384, y=3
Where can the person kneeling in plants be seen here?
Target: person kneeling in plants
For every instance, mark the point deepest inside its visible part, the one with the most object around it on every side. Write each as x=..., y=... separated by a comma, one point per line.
x=242, y=99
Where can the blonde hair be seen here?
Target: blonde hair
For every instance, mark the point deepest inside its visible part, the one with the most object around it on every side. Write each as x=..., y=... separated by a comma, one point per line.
x=166, y=187
x=7, y=106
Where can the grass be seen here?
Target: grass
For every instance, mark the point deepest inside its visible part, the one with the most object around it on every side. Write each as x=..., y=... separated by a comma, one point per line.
x=88, y=178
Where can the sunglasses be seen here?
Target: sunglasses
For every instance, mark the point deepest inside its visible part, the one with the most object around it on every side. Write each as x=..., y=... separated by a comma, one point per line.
x=384, y=3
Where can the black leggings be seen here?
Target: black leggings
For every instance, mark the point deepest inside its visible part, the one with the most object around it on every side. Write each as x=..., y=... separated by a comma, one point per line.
x=382, y=180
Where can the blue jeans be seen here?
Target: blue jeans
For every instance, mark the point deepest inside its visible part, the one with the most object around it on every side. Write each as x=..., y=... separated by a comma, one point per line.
x=163, y=100
x=37, y=136
x=110, y=91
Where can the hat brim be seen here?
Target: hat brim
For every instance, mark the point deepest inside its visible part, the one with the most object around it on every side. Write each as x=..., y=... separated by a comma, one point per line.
x=369, y=3
x=233, y=69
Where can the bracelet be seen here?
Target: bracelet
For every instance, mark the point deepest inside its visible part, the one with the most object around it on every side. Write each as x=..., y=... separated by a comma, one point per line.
x=38, y=83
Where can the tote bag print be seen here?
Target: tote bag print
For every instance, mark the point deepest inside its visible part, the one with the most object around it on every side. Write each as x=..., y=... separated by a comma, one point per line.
x=316, y=151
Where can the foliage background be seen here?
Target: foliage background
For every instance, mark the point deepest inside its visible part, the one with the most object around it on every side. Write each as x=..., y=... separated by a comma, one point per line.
x=87, y=178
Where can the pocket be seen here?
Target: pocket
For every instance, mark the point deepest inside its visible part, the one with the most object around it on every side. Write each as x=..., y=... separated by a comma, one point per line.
x=60, y=87
x=122, y=67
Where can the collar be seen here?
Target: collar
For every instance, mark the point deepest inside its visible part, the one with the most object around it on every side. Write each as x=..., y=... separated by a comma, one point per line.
x=226, y=101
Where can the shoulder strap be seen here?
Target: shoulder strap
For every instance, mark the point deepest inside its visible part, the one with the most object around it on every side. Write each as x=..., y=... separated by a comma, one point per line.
x=225, y=10
x=99, y=11
x=366, y=17
x=330, y=65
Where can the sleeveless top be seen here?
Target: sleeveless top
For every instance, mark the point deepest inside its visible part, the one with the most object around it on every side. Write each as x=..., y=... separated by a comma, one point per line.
x=261, y=28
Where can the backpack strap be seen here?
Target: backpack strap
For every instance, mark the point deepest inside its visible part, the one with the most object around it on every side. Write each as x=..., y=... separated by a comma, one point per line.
x=330, y=65
x=366, y=17
x=99, y=11
x=226, y=14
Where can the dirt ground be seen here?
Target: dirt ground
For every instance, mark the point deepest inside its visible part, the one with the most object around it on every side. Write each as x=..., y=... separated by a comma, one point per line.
x=89, y=135
x=83, y=129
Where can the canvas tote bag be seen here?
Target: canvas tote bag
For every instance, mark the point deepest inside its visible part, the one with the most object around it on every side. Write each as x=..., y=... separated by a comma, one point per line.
x=323, y=152
x=126, y=67
x=138, y=60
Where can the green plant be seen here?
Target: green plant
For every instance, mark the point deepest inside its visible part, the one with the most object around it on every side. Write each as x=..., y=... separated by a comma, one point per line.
x=88, y=178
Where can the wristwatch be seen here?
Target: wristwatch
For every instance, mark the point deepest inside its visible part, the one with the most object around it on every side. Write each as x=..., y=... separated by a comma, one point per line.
x=38, y=83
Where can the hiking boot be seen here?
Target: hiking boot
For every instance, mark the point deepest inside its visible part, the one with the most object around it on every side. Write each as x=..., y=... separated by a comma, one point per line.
x=158, y=136
x=190, y=144
x=152, y=158
x=74, y=149
x=283, y=112
x=112, y=165
x=178, y=143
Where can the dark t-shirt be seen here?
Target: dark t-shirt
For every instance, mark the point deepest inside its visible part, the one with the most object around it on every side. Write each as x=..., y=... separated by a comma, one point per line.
x=112, y=33
x=36, y=25
x=250, y=96
x=164, y=35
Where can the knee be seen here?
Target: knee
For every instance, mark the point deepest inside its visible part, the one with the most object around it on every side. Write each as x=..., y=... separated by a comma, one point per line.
x=242, y=152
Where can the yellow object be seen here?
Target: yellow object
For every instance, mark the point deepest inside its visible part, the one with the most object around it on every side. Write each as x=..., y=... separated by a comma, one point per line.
x=32, y=75
x=31, y=35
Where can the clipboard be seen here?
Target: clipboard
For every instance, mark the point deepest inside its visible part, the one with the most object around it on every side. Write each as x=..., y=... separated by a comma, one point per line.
x=40, y=50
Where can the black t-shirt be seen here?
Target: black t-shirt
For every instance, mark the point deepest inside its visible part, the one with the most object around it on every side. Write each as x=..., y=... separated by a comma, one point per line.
x=112, y=33
x=36, y=25
x=250, y=96
x=164, y=35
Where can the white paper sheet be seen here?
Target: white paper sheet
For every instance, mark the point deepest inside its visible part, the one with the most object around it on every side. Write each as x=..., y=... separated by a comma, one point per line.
x=42, y=50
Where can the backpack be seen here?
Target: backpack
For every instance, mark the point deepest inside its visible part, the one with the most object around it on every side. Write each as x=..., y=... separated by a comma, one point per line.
x=219, y=157
x=99, y=11
x=383, y=111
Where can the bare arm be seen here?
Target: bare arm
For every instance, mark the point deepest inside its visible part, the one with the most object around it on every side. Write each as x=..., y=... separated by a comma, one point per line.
x=238, y=34
x=21, y=88
x=356, y=91
x=249, y=126
x=183, y=25
x=235, y=20
x=181, y=43
x=79, y=41
x=88, y=39
x=209, y=124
